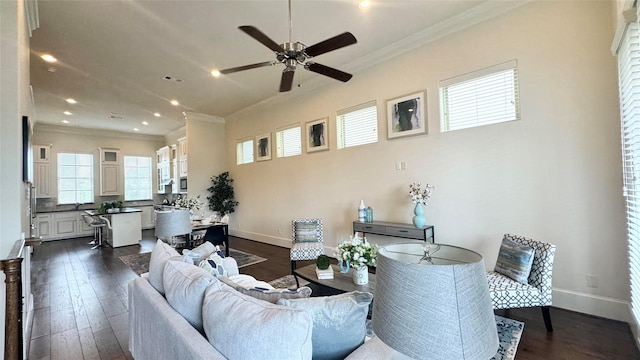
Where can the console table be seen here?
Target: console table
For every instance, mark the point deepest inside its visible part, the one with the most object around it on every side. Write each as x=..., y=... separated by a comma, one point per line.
x=394, y=229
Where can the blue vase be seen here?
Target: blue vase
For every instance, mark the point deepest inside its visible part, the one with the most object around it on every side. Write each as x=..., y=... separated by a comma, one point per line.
x=418, y=220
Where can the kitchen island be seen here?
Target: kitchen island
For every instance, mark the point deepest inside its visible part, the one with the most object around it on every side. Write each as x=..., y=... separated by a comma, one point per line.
x=126, y=226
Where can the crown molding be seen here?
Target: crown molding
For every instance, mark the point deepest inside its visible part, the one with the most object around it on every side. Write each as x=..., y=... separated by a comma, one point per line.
x=462, y=21
x=191, y=115
x=40, y=127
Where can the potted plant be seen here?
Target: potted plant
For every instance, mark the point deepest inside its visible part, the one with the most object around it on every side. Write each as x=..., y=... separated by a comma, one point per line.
x=222, y=199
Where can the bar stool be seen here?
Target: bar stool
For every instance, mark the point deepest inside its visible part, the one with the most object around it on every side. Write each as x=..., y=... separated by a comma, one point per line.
x=97, y=223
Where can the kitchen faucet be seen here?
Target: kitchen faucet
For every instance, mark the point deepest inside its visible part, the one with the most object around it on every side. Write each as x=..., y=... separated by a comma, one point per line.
x=78, y=205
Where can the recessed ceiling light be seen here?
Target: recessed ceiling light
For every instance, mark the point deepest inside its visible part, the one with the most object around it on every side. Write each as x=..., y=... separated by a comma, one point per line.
x=364, y=4
x=136, y=129
x=145, y=123
x=48, y=58
x=71, y=101
x=215, y=73
x=156, y=114
x=174, y=102
x=65, y=121
x=68, y=113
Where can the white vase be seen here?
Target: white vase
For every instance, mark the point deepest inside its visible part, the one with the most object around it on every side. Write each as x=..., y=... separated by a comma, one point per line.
x=361, y=275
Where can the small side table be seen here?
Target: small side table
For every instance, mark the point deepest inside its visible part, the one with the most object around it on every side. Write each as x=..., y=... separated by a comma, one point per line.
x=385, y=228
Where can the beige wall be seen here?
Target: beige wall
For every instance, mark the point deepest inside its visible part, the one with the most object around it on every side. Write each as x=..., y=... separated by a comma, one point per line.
x=205, y=152
x=69, y=139
x=555, y=175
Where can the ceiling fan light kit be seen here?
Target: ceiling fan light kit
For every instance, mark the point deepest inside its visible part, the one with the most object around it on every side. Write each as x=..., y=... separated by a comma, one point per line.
x=292, y=54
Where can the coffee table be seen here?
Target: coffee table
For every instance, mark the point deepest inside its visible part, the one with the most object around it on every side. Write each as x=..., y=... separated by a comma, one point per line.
x=340, y=282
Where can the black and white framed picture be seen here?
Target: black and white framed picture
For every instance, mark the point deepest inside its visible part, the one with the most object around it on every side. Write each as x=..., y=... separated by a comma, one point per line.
x=317, y=135
x=407, y=115
x=263, y=147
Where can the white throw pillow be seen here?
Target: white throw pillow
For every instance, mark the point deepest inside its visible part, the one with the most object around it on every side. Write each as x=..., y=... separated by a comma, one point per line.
x=241, y=327
x=201, y=252
x=160, y=254
x=185, y=285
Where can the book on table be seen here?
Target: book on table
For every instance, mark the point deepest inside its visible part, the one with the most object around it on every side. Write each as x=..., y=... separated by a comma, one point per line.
x=324, y=274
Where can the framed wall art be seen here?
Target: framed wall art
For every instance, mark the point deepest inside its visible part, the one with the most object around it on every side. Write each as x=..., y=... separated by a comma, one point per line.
x=317, y=135
x=263, y=147
x=407, y=115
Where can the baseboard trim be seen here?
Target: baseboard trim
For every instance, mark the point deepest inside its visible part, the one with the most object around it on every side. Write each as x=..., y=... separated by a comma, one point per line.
x=602, y=306
x=267, y=239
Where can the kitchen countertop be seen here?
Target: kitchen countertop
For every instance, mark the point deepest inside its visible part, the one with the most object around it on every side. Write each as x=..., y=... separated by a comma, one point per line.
x=57, y=210
x=125, y=210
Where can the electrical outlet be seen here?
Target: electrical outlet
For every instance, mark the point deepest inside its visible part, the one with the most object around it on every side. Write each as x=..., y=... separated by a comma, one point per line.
x=279, y=231
x=592, y=281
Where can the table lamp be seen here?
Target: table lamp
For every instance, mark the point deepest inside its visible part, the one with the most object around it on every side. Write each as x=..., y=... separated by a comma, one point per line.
x=432, y=302
x=170, y=224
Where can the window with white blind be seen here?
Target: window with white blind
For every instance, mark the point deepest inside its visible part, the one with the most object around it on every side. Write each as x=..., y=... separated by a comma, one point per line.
x=629, y=82
x=289, y=141
x=483, y=97
x=357, y=125
x=137, y=178
x=75, y=178
x=244, y=152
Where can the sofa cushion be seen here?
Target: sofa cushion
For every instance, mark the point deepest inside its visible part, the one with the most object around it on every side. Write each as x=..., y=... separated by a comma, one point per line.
x=159, y=256
x=242, y=327
x=514, y=260
x=339, y=322
x=185, y=285
x=267, y=293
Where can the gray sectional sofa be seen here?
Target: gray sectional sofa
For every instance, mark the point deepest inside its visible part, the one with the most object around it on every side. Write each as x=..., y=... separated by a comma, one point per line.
x=184, y=312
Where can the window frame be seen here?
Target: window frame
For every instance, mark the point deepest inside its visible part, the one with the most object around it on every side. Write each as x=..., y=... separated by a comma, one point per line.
x=282, y=150
x=482, y=107
x=241, y=147
x=150, y=184
x=344, y=139
x=60, y=179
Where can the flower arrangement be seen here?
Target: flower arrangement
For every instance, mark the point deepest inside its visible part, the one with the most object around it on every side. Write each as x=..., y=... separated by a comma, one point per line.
x=189, y=203
x=420, y=195
x=357, y=252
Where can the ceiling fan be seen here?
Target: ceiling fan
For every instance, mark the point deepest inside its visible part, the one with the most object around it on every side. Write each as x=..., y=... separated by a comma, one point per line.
x=296, y=53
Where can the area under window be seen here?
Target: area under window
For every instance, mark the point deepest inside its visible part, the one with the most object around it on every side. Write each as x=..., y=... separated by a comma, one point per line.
x=137, y=178
x=289, y=141
x=357, y=125
x=483, y=97
x=244, y=152
x=75, y=178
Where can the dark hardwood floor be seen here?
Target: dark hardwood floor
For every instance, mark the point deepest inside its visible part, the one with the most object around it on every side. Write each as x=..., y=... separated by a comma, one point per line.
x=80, y=299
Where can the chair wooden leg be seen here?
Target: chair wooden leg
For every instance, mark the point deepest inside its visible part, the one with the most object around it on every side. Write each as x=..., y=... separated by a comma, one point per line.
x=547, y=318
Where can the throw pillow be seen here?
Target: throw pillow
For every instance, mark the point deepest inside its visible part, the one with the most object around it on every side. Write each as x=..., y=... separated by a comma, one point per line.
x=185, y=285
x=306, y=231
x=241, y=327
x=214, y=264
x=514, y=260
x=268, y=293
x=201, y=252
x=339, y=322
x=159, y=256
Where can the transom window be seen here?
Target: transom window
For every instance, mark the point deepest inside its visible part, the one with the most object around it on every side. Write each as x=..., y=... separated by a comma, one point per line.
x=289, y=141
x=137, y=178
x=75, y=178
x=483, y=97
x=244, y=152
x=357, y=125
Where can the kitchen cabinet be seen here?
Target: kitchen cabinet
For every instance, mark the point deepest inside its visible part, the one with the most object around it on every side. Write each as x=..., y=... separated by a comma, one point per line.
x=163, y=168
x=42, y=179
x=126, y=227
x=148, y=217
x=175, y=176
x=42, y=170
x=110, y=179
x=43, y=226
x=182, y=157
x=110, y=172
x=65, y=224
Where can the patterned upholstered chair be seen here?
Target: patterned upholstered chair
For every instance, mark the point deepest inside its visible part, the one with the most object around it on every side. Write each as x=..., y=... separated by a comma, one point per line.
x=508, y=294
x=308, y=242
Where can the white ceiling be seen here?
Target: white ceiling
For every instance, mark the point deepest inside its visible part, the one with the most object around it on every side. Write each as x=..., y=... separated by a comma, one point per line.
x=113, y=55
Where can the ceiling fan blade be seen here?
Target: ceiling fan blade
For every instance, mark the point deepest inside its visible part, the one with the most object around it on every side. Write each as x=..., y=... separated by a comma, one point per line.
x=336, y=42
x=328, y=71
x=261, y=37
x=287, y=80
x=246, y=67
